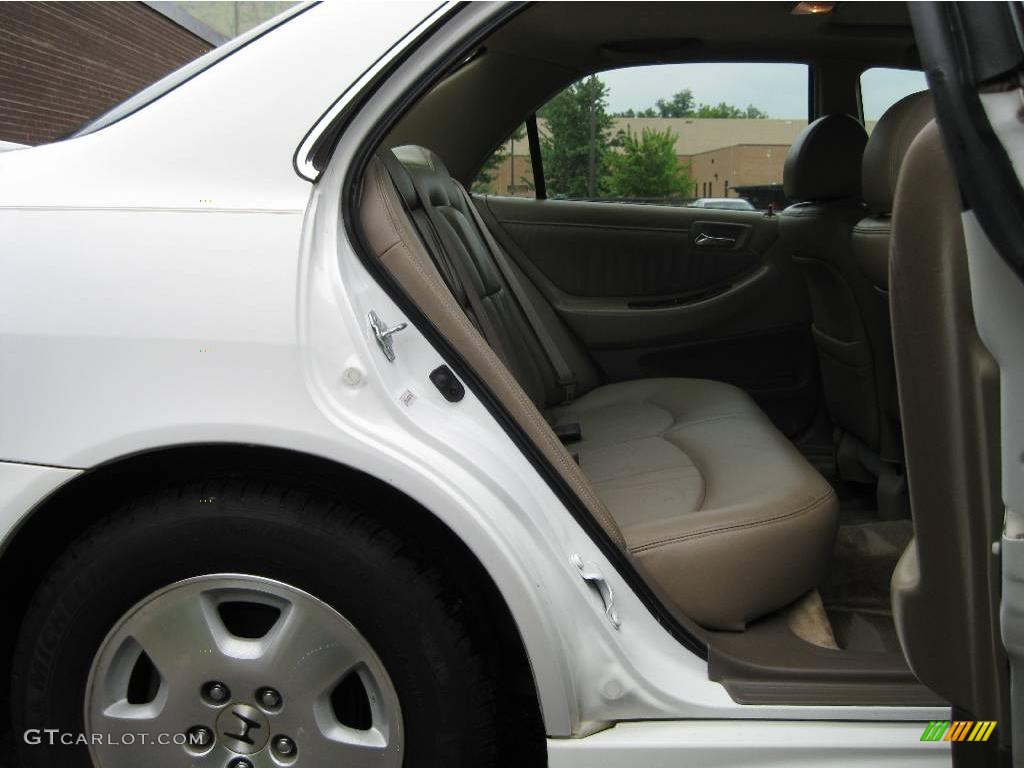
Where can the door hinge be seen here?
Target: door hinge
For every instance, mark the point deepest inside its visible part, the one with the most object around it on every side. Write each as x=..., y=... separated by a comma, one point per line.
x=591, y=574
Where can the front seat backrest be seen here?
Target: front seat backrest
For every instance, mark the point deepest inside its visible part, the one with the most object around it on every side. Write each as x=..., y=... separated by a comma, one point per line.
x=883, y=158
x=823, y=173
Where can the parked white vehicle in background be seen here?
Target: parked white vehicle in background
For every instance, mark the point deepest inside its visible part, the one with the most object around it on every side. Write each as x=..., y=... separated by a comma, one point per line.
x=281, y=481
x=727, y=203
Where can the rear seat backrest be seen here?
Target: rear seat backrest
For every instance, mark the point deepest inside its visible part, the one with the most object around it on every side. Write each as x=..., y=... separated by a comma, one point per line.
x=464, y=256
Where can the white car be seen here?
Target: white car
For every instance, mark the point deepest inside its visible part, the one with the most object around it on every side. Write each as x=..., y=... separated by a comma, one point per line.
x=312, y=458
x=725, y=203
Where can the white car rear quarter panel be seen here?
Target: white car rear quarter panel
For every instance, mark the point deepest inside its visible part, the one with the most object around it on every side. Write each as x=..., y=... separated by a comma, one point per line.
x=128, y=251
x=158, y=287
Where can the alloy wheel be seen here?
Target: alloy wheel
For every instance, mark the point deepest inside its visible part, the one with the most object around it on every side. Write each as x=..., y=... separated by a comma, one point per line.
x=239, y=671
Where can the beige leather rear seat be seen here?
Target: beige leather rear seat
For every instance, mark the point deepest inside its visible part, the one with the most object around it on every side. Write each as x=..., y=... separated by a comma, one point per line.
x=706, y=492
x=687, y=475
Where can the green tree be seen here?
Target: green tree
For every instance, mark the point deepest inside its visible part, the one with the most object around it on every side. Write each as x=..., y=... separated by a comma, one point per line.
x=646, y=166
x=680, y=105
x=728, y=110
x=649, y=112
x=720, y=110
x=484, y=182
x=576, y=145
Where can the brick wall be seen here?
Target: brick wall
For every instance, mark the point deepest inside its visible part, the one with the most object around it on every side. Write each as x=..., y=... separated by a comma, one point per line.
x=62, y=64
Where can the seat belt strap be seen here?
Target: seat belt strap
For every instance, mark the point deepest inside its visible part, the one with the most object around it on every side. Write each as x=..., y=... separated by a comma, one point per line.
x=436, y=250
x=563, y=372
x=441, y=232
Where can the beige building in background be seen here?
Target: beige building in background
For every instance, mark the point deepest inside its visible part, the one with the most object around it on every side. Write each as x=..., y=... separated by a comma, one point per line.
x=721, y=154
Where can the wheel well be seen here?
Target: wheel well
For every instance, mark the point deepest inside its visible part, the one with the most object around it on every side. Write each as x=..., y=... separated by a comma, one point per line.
x=67, y=513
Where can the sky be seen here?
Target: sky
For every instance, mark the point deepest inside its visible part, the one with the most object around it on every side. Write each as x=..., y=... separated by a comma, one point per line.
x=778, y=89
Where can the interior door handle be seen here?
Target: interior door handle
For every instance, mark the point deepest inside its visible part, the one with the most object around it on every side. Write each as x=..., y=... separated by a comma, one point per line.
x=704, y=240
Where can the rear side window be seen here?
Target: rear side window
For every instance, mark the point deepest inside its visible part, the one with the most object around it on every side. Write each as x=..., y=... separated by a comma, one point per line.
x=881, y=87
x=679, y=134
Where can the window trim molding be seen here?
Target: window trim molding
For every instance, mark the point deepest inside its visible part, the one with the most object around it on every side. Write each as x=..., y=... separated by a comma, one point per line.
x=540, y=187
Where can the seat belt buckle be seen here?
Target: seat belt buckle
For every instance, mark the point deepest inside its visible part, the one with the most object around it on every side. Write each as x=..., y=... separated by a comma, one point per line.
x=570, y=393
x=568, y=433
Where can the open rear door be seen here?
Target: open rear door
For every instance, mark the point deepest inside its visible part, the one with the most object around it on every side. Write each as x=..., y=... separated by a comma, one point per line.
x=959, y=595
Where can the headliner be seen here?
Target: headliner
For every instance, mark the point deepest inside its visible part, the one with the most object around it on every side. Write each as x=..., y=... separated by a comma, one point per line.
x=548, y=45
x=626, y=33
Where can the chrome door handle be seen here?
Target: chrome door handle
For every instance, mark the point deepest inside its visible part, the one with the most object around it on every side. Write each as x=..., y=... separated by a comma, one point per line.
x=704, y=240
x=383, y=335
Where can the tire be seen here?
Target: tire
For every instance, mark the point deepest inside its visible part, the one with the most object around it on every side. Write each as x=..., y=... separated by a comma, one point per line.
x=396, y=601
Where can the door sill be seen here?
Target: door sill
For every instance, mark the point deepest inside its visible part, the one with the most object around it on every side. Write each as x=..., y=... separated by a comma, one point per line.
x=742, y=743
x=768, y=664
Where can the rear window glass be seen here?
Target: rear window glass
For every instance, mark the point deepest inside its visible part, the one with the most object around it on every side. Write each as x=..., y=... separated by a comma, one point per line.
x=881, y=87
x=673, y=134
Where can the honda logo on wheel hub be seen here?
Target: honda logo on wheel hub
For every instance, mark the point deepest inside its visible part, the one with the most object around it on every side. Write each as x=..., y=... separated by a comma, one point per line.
x=243, y=729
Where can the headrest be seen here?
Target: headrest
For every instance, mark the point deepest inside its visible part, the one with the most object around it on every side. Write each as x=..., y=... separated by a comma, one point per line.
x=824, y=161
x=888, y=145
x=431, y=175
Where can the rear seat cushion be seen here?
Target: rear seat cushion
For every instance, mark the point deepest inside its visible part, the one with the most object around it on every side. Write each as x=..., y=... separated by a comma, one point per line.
x=720, y=508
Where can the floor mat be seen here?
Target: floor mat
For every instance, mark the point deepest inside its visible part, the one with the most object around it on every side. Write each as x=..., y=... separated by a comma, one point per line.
x=866, y=631
x=808, y=620
x=856, y=593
